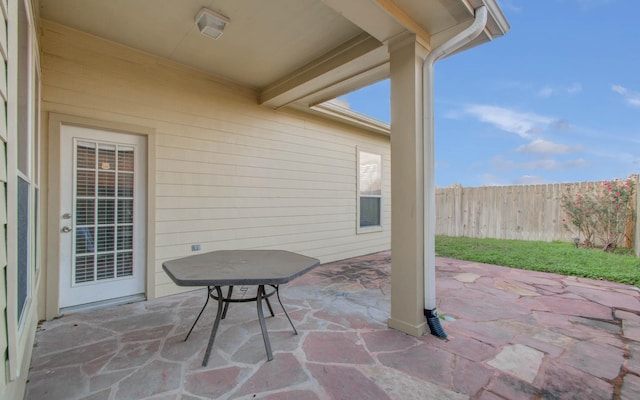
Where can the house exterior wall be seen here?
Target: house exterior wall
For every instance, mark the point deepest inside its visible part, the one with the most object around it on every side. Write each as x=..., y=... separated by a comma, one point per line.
x=226, y=172
x=3, y=201
x=19, y=138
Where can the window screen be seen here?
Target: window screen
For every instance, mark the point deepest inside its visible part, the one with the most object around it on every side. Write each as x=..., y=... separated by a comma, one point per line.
x=369, y=189
x=23, y=243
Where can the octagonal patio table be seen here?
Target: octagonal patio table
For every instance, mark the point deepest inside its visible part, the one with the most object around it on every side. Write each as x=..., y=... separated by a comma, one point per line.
x=231, y=268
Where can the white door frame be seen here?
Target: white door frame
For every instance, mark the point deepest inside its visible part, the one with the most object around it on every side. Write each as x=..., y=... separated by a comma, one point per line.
x=90, y=287
x=53, y=203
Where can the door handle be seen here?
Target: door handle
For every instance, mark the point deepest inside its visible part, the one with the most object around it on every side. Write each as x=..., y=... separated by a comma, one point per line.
x=66, y=229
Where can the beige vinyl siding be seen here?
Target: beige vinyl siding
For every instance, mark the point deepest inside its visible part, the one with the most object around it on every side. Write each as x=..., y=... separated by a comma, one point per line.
x=3, y=262
x=18, y=325
x=3, y=201
x=228, y=173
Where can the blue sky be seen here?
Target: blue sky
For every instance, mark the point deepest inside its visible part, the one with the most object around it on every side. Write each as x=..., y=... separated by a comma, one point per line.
x=555, y=100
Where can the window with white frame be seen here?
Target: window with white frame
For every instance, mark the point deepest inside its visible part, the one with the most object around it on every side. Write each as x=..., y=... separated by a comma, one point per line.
x=21, y=152
x=27, y=131
x=369, y=191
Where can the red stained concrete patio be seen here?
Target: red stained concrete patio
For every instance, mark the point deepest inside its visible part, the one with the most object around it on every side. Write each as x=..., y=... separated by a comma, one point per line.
x=512, y=335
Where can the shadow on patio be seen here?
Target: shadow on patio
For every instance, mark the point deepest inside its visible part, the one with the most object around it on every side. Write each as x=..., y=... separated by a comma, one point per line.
x=512, y=334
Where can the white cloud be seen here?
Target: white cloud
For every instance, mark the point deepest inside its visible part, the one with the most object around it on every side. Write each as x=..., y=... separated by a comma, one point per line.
x=529, y=180
x=575, y=88
x=511, y=84
x=623, y=157
x=633, y=138
x=491, y=180
x=562, y=125
x=452, y=114
x=540, y=146
x=341, y=101
x=501, y=164
x=619, y=89
x=589, y=4
x=632, y=98
x=511, y=6
x=525, y=125
x=548, y=90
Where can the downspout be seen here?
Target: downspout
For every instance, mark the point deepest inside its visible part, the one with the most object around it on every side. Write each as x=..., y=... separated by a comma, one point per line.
x=429, y=214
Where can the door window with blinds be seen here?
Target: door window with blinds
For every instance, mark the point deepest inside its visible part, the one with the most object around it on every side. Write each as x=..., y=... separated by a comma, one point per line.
x=104, y=198
x=369, y=191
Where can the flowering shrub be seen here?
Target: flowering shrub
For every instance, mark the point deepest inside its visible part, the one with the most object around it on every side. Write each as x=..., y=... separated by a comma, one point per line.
x=600, y=213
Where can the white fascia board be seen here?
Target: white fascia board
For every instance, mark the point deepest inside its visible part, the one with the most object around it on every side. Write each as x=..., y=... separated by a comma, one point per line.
x=337, y=112
x=355, y=54
x=497, y=24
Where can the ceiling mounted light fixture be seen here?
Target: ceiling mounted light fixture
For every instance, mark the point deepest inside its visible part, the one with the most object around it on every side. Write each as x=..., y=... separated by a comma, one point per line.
x=211, y=23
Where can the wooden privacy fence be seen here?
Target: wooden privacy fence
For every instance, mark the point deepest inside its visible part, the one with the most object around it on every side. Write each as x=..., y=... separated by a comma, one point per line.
x=531, y=212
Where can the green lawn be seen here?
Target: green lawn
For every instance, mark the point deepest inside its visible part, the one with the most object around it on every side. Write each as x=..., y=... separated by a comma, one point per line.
x=557, y=257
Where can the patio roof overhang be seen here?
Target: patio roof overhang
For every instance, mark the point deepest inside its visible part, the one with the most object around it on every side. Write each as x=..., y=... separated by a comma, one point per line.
x=296, y=53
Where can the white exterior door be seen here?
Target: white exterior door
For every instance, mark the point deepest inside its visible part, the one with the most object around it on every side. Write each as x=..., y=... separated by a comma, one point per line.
x=102, y=216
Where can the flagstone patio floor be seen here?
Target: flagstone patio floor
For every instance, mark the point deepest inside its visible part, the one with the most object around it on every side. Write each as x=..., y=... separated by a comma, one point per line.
x=512, y=334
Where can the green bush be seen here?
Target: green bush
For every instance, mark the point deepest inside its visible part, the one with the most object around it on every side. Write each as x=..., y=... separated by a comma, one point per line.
x=600, y=213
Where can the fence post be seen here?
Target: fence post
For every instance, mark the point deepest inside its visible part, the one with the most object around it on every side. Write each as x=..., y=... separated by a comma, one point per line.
x=636, y=230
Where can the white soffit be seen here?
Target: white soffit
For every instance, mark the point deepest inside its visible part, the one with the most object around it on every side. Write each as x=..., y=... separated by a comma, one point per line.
x=293, y=52
x=264, y=41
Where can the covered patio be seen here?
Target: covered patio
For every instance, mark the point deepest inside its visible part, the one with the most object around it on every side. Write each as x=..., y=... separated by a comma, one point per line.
x=511, y=334
x=135, y=132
